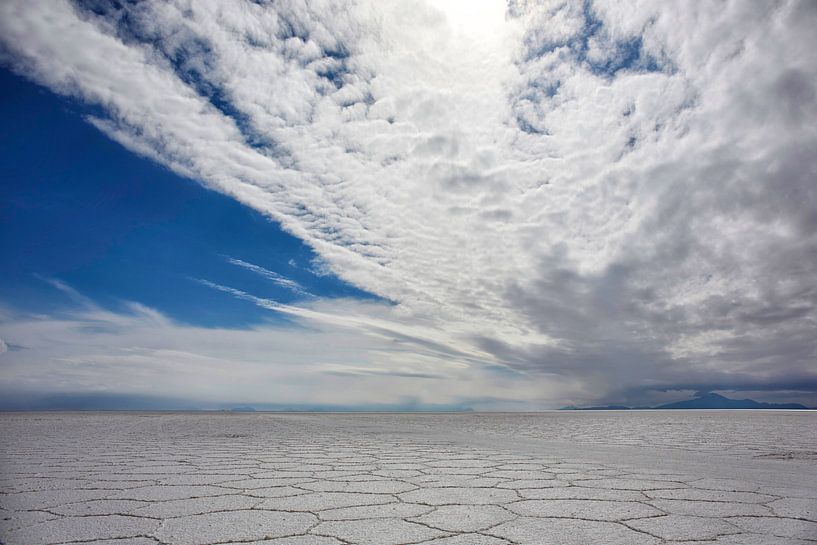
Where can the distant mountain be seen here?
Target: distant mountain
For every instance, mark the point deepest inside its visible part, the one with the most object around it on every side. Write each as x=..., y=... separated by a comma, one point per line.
x=602, y=408
x=705, y=401
x=715, y=401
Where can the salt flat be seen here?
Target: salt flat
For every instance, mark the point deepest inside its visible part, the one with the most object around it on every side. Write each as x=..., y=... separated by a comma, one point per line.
x=561, y=478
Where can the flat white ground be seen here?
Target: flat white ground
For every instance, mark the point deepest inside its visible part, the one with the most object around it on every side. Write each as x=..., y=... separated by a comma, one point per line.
x=560, y=478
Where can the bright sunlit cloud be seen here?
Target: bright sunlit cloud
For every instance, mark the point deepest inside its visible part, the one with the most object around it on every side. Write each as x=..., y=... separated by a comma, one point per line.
x=477, y=19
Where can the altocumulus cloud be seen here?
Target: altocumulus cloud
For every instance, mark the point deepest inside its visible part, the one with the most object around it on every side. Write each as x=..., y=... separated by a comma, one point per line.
x=564, y=201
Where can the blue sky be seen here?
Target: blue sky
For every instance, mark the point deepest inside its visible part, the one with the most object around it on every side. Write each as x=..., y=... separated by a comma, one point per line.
x=490, y=204
x=117, y=227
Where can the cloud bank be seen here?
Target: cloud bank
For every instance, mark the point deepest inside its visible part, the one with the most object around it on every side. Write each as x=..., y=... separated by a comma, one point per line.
x=609, y=200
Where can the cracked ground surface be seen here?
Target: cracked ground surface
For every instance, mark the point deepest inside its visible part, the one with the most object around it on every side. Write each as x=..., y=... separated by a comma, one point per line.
x=694, y=478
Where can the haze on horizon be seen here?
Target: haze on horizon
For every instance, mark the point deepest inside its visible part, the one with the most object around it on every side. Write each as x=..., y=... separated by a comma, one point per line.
x=423, y=204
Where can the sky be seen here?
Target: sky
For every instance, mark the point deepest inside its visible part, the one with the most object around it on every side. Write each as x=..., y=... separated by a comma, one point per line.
x=413, y=204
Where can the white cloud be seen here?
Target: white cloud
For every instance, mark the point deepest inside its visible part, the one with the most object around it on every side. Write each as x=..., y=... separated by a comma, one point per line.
x=141, y=352
x=520, y=188
x=272, y=276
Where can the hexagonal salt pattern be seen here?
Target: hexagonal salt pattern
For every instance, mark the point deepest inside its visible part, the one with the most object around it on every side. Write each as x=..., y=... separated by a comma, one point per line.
x=268, y=479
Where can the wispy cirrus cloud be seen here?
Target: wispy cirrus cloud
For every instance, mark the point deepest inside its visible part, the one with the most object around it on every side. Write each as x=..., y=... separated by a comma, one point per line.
x=374, y=360
x=272, y=276
x=377, y=320
x=619, y=197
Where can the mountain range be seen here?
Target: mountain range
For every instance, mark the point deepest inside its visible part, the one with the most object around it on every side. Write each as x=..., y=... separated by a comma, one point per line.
x=705, y=401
